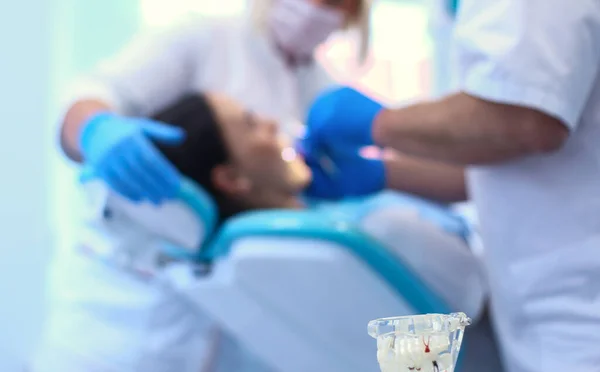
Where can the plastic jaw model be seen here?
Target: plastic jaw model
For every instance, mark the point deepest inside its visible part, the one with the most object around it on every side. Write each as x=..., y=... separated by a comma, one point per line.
x=423, y=343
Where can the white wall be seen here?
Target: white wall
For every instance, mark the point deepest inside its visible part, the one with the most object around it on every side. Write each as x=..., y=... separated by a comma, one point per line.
x=24, y=233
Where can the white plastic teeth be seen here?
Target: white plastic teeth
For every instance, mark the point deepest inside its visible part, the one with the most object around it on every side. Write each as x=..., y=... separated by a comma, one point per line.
x=430, y=353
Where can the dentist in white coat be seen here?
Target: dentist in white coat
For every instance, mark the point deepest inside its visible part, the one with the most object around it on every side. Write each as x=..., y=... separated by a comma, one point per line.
x=525, y=121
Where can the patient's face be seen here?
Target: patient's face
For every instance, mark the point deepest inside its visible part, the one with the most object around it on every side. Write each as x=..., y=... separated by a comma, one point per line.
x=263, y=161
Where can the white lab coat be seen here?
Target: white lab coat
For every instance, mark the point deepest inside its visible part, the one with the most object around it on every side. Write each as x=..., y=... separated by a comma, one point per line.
x=224, y=55
x=103, y=320
x=539, y=215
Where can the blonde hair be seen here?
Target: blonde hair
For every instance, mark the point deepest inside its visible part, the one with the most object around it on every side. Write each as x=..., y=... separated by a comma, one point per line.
x=361, y=21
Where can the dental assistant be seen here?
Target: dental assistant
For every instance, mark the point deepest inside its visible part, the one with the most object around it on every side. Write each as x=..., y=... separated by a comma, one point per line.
x=525, y=121
x=266, y=62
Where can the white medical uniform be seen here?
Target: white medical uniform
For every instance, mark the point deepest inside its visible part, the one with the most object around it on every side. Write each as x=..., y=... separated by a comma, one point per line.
x=104, y=320
x=539, y=215
x=223, y=55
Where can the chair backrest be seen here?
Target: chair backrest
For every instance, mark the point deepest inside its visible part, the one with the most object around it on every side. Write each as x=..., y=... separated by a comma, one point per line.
x=185, y=224
x=315, y=226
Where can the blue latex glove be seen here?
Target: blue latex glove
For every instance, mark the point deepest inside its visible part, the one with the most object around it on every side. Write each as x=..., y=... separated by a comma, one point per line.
x=121, y=152
x=338, y=125
x=341, y=119
x=337, y=175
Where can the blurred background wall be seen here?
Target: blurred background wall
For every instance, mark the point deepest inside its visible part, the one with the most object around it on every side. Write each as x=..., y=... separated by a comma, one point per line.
x=25, y=174
x=46, y=43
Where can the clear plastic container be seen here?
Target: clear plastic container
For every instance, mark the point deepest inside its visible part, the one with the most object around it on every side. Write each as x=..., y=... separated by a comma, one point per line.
x=419, y=343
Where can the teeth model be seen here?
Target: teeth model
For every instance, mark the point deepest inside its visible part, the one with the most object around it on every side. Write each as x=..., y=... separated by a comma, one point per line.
x=422, y=343
x=424, y=354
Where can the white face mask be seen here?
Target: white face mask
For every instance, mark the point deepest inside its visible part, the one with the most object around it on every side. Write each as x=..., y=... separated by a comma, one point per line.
x=299, y=26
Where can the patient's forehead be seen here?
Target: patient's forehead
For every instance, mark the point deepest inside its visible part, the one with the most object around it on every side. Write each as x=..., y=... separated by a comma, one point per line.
x=225, y=108
x=231, y=117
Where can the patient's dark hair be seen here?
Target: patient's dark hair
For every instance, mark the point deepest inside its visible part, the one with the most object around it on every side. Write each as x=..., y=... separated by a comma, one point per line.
x=203, y=149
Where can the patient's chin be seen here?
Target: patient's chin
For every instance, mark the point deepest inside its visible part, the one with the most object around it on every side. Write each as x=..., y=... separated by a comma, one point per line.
x=299, y=175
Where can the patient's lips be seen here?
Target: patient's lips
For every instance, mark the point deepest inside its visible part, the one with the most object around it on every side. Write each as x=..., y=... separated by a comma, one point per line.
x=289, y=154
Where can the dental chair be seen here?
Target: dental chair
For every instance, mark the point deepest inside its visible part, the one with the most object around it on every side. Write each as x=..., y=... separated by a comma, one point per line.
x=297, y=288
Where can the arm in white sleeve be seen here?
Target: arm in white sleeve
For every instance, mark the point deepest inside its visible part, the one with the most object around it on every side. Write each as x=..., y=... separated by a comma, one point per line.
x=542, y=54
x=525, y=72
x=151, y=72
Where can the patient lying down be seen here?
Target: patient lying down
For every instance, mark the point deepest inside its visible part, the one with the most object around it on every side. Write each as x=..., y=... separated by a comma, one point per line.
x=243, y=161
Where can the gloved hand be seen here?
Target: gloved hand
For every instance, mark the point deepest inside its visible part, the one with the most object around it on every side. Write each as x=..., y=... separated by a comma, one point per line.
x=338, y=125
x=337, y=175
x=121, y=152
x=342, y=118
